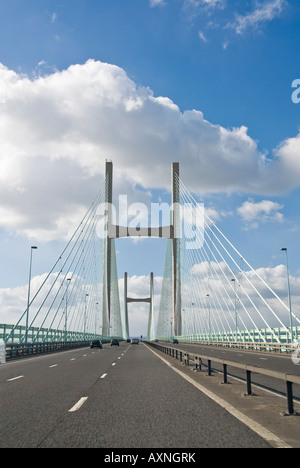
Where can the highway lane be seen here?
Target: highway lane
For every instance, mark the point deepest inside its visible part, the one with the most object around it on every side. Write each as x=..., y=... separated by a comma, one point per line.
x=35, y=392
x=122, y=397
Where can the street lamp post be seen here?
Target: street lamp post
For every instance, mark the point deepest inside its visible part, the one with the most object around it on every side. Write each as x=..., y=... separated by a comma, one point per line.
x=85, y=317
x=235, y=311
x=289, y=292
x=96, y=318
x=209, y=316
x=28, y=298
x=194, y=324
x=66, y=317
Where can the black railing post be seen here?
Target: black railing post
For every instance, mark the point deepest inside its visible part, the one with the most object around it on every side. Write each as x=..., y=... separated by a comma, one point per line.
x=209, y=367
x=225, y=380
x=249, y=386
x=290, y=400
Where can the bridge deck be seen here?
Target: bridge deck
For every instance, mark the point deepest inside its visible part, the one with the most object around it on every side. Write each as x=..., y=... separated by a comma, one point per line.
x=131, y=400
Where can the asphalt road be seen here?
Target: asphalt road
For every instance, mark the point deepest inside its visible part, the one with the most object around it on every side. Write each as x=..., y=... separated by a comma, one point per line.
x=117, y=397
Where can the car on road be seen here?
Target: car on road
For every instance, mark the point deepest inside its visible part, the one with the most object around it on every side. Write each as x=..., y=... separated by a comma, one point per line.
x=96, y=344
x=134, y=341
x=175, y=341
x=114, y=342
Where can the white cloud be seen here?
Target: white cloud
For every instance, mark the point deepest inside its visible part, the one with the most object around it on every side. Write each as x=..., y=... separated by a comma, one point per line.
x=13, y=303
x=213, y=3
x=208, y=3
x=264, y=211
x=57, y=131
x=245, y=295
x=202, y=36
x=154, y=3
x=286, y=167
x=264, y=13
x=214, y=277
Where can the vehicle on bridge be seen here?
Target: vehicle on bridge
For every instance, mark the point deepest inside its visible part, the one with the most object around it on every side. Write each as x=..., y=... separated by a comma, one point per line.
x=134, y=341
x=114, y=342
x=96, y=344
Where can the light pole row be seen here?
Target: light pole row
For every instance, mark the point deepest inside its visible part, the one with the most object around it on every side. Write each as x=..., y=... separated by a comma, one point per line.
x=32, y=248
x=284, y=249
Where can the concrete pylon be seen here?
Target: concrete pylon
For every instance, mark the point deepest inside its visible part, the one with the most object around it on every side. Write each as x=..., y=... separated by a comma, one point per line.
x=107, y=251
x=176, y=241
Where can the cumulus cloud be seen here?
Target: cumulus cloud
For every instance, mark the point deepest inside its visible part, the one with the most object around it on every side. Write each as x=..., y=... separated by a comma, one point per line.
x=264, y=211
x=13, y=303
x=57, y=130
x=258, y=305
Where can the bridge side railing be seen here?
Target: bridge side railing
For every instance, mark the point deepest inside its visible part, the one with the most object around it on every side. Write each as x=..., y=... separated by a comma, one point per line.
x=250, y=346
x=260, y=336
x=187, y=357
x=29, y=349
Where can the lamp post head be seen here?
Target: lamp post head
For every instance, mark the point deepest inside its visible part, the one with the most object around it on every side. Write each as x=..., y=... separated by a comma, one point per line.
x=284, y=249
x=34, y=247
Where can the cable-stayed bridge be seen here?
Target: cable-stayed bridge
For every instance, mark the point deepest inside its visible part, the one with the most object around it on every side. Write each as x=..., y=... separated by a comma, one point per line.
x=210, y=293
x=212, y=301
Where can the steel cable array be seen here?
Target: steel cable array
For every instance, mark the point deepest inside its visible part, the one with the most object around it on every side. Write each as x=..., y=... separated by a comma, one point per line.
x=69, y=303
x=223, y=298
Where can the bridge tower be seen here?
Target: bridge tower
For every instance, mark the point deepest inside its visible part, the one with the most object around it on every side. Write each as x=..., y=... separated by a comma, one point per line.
x=168, y=232
x=107, y=250
x=149, y=300
x=176, y=240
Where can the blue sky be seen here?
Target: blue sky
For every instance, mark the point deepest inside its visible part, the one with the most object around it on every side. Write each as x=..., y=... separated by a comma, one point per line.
x=232, y=77
x=233, y=61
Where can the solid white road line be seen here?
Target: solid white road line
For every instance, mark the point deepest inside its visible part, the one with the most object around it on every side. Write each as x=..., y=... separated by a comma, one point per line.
x=54, y=365
x=103, y=376
x=78, y=405
x=15, y=378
